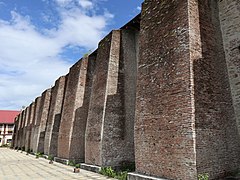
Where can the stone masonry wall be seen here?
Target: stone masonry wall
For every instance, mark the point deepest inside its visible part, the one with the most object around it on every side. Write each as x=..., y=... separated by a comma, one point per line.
x=229, y=11
x=57, y=94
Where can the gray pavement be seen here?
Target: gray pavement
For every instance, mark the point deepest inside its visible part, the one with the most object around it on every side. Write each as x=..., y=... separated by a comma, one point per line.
x=19, y=166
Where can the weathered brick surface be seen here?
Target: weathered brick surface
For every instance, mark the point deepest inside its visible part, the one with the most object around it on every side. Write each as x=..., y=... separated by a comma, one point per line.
x=97, y=103
x=110, y=124
x=25, y=126
x=35, y=123
x=77, y=144
x=229, y=11
x=53, y=148
x=164, y=134
x=181, y=73
x=217, y=140
x=29, y=126
x=57, y=94
x=16, y=131
x=42, y=120
x=73, y=99
x=22, y=130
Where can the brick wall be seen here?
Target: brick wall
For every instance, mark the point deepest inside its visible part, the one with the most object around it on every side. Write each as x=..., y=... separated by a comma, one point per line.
x=29, y=125
x=72, y=100
x=164, y=131
x=217, y=141
x=36, y=124
x=77, y=147
x=42, y=119
x=229, y=11
x=56, y=102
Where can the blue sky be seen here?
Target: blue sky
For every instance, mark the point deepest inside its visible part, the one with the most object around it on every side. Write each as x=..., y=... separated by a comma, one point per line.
x=41, y=39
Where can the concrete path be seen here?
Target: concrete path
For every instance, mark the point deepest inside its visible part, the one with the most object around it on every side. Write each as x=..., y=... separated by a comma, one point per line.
x=19, y=166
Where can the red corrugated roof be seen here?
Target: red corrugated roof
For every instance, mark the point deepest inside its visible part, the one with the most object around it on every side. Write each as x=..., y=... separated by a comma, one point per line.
x=8, y=117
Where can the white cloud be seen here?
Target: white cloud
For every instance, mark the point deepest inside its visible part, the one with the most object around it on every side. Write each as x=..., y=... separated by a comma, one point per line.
x=85, y=3
x=30, y=61
x=139, y=8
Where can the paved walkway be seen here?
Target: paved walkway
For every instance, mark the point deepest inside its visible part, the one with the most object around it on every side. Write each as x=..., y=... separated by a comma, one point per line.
x=19, y=166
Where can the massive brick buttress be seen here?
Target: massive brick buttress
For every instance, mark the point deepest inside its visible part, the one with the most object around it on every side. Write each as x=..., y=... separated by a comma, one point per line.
x=42, y=120
x=164, y=125
x=16, y=132
x=187, y=126
x=33, y=139
x=163, y=91
x=110, y=122
x=29, y=127
x=77, y=142
x=54, y=117
x=217, y=140
x=73, y=99
x=25, y=125
x=22, y=128
x=229, y=11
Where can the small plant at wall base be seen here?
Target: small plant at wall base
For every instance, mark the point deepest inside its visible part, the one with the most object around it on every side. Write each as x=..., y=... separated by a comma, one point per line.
x=38, y=155
x=71, y=163
x=108, y=171
x=203, y=176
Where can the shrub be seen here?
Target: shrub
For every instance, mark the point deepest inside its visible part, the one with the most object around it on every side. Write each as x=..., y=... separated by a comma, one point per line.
x=71, y=163
x=108, y=171
x=77, y=166
x=39, y=154
x=50, y=158
x=203, y=176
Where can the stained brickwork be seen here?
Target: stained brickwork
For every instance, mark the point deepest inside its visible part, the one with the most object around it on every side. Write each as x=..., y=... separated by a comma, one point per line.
x=111, y=112
x=57, y=93
x=229, y=11
x=34, y=134
x=97, y=107
x=164, y=133
x=26, y=122
x=53, y=147
x=163, y=91
x=73, y=99
x=217, y=142
x=42, y=119
x=16, y=132
x=77, y=144
x=29, y=126
x=22, y=130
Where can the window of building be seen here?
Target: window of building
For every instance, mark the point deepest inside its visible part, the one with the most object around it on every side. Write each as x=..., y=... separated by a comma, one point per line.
x=10, y=126
x=10, y=132
x=9, y=140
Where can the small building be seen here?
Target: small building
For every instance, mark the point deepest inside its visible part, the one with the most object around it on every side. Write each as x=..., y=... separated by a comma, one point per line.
x=7, y=119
